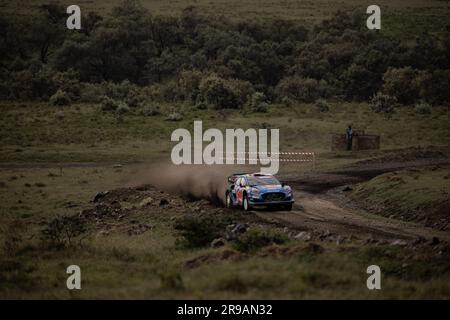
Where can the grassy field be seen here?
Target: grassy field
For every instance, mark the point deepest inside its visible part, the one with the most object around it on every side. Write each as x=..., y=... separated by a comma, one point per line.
x=400, y=18
x=413, y=195
x=40, y=133
x=40, y=179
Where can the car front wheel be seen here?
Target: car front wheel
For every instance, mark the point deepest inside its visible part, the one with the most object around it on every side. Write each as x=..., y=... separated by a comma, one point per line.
x=246, y=204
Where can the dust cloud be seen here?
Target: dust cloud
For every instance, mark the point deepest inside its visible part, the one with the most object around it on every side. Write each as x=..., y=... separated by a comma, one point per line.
x=191, y=181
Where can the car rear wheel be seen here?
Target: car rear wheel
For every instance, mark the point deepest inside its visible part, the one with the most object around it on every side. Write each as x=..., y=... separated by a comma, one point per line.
x=246, y=204
x=229, y=202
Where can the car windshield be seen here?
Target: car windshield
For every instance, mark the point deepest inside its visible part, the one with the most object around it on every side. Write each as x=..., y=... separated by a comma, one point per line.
x=258, y=181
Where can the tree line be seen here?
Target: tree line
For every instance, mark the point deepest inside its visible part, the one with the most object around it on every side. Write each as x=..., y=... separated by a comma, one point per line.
x=133, y=56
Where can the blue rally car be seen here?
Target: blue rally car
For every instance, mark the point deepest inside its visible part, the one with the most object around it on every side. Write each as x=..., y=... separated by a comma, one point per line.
x=257, y=189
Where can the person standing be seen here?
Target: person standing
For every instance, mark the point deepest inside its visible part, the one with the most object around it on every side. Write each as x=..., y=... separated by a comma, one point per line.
x=349, y=137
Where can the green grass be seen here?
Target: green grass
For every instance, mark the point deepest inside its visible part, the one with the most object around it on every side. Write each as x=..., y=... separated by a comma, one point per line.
x=32, y=132
x=415, y=194
x=150, y=265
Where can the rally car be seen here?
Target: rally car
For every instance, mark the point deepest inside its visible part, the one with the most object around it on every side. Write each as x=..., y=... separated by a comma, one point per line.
x=257, y=189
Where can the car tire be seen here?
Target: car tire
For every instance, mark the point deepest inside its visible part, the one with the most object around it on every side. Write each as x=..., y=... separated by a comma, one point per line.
x=288, y=207
x=228, y=201
x=245, y=204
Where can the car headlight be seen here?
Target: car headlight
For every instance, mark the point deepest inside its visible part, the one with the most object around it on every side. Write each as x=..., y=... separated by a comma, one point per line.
x=255, y=192
x=288, y=190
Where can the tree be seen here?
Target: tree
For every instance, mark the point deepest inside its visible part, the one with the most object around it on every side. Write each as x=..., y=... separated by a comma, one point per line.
x=401, y=84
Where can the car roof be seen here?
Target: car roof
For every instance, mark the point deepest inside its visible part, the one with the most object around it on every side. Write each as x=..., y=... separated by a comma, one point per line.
x=258, y=175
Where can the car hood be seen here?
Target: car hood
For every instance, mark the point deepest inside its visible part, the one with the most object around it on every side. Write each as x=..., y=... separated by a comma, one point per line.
x=271, y=188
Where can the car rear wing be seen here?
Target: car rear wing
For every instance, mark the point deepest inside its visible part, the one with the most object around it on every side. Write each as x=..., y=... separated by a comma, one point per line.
x=232, y=179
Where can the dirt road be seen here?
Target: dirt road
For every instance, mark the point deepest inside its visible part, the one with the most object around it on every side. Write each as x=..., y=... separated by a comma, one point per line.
x=324, y=215
x=319, y=209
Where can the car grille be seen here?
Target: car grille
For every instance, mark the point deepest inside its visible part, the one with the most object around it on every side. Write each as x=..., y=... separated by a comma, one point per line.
x=274, y=196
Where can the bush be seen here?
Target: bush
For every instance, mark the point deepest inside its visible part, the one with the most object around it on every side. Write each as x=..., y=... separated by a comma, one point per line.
x=64, y=231
x=303, y=89
x=174, y=116
x=262, y=107
x=60, y=98
x=322, y=105
x=150, y=111
x=201, y=230
x=401, y=84
x=434, y=87
x=382, y=103
x=122, y=108
x=258, y=102
x=108, y=104
x=422, y=108
x=286, y=102
x=255, y=239
x=91, y=93
x=220, y=93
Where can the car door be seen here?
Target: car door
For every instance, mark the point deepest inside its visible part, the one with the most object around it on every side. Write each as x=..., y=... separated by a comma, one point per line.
x=240, y=185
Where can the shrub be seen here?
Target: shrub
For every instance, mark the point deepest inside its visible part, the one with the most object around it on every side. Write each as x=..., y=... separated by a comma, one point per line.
x=60, y=98
x=286, y=101
x=174, y=116
x=200, y=230
x=151, y=110
x=219, y=92
x=262, y=107
x=303, y=89
x=255, y=239
x=322, y=105
x=401, y=84
x=189, y=82
x=69, y=83
x=422, y=108
x=258, y=102
x=108, y=104
x=434, y=86
x=382, y=103
x=92, y=93
x=63, y=231
x=122, y=108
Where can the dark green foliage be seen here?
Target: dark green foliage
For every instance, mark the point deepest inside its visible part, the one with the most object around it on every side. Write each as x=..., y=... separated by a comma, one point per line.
x=60, y=98
x=201, y=230
x=257, y=238
x=64, y=231
x=401, y=84
x=132, y=56
x=382, y=103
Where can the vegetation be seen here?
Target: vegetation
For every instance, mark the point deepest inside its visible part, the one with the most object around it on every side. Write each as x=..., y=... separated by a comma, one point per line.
x=419, y=195
x=195, y=57
x=74, y=104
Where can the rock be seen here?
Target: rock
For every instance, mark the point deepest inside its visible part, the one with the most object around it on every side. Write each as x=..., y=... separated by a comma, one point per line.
x=435, y=241
x=304, y=236
x=399, y=242
x=146, y=202
x=174, y=116
x=100, y=195
x=219, y=242
x=239, y=228
x=163, y=202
